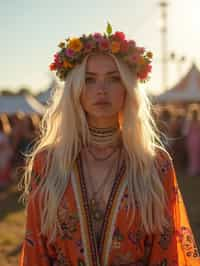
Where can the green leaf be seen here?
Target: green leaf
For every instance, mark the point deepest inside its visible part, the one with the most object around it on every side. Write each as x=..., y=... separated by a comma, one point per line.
x=109, y=29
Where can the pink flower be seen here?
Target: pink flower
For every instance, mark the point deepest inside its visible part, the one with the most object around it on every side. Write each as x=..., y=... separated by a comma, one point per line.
x=89, y=46
x=131, y=44
x=97, y=36
x=56, y=57
x=119, y=35
x=134, y=58
x=140, y=50
x=57, y=61
x=69, y=52
x=104, y=45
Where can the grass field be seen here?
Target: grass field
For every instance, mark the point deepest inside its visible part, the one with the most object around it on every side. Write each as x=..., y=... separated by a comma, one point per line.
x=11, y=226
x=12, y=218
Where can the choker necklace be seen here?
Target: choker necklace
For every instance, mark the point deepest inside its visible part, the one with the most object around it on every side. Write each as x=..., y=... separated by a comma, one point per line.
x=101, y=137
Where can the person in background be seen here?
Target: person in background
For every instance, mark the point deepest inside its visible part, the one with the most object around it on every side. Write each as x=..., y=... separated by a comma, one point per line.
x=6, y=152
x=192, y=132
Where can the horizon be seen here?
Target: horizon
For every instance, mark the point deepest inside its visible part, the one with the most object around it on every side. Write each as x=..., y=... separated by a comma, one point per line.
x=31, y=31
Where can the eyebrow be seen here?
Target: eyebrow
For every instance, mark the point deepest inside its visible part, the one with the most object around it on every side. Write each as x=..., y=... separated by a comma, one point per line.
x=107, y=73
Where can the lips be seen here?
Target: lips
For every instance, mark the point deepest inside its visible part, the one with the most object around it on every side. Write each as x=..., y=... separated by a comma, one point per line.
x=101, y=102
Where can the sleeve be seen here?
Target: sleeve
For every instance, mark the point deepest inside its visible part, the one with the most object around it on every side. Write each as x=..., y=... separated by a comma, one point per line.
x=35, y=250
x=176, y=245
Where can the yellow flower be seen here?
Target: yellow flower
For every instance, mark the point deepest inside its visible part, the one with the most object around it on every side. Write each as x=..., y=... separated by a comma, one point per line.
x=150, y=55
x=115, y=47
x=75, y=44
x=66, y=64
x=61, y=45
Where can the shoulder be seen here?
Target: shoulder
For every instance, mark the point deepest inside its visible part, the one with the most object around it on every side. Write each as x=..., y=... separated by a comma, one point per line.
x=166, y=172
x=38, y=168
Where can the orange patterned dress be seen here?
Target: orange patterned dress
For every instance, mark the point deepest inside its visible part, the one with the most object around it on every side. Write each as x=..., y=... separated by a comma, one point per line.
x=120, y=244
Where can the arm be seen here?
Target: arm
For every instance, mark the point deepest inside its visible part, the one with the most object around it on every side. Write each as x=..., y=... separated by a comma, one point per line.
x=35, y=250
x=176, y=246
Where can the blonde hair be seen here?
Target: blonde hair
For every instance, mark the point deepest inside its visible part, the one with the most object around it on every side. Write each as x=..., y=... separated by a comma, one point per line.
x=64, y=130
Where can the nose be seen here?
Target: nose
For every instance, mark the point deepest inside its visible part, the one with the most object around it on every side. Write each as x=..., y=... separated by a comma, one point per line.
x=101, y=86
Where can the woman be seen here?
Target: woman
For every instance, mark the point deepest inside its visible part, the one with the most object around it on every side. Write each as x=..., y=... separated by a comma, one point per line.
x=100, y=190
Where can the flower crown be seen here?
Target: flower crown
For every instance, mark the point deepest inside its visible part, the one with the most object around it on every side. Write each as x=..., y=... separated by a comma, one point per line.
x=75, y=49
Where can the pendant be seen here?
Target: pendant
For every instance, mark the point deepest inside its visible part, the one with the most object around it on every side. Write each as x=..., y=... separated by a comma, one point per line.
x=97, y=213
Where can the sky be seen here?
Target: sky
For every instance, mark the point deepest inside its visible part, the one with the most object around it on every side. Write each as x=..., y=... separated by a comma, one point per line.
x=30, y=31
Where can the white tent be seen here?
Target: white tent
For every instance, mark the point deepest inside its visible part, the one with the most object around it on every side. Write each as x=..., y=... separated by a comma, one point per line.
x=46, y=96
x=187, y=90
x=24, y=103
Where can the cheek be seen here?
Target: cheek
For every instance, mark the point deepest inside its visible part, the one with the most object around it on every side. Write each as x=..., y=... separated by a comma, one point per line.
x=119, y=98
x=85, y=100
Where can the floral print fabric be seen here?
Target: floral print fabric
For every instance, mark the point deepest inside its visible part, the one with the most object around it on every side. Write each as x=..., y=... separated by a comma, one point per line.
x=121, y=244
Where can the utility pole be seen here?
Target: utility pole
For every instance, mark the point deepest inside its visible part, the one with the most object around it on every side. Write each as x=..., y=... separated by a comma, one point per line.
x=179, y=60
x=163, y=4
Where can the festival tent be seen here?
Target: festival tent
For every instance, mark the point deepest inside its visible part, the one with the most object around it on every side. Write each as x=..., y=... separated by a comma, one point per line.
x=24, y=103
x=187, y=90
x=45, y=97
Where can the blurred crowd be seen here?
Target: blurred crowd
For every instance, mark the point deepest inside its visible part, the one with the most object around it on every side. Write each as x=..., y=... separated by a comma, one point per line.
x=18, y=132
x=179, y=129
x=180, y=133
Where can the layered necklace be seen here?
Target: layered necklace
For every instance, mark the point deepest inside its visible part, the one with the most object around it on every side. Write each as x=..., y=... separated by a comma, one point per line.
x=104, y=137
x=107, y=140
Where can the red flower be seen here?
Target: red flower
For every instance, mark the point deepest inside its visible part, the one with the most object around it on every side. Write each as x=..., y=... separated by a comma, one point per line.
x=149, y=68
x=142, y=75
x=89, y=46
x=119, y=35
x=52, y=66
x=124, y=46
x=104, y=44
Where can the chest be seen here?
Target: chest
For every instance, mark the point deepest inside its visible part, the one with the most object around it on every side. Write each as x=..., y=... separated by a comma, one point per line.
x=117, y=240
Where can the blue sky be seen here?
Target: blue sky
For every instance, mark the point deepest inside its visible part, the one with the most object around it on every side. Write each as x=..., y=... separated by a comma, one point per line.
x=30, y=31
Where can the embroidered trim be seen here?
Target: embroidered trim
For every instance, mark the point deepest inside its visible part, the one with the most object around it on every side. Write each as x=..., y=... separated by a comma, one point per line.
x=110, y=205
x=94, y=252
x=83, y=218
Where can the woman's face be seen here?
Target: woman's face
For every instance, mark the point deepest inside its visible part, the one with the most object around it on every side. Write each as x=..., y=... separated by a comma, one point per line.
x=104, y=94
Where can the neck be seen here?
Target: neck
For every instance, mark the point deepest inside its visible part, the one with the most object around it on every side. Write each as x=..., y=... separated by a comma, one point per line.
x=103, y=122
x=104, y=137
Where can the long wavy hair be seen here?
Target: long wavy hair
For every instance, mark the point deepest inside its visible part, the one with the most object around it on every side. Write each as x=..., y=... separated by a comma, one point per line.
x=64, y=130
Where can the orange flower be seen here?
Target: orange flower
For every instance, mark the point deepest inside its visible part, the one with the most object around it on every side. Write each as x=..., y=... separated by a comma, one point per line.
x=66, y=64
x=115, y=47
x=75, y=44
x=141, y=61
